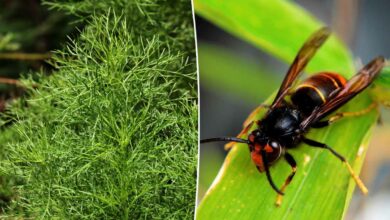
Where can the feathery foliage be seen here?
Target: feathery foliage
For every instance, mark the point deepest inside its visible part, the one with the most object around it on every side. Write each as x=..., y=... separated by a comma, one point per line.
x=112, y=133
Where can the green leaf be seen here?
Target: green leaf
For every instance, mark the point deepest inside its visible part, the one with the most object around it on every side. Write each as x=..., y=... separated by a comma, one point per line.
x=381, y=90
x=383, y=79
x=322, y=187
x=223, y=70
x=319, y=189
x=278, y=27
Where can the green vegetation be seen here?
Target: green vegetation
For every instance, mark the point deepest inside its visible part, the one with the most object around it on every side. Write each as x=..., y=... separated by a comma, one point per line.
x=279, y=28
x=225, y=75
x=322, y=187
x=28, y=32
x=113, y=132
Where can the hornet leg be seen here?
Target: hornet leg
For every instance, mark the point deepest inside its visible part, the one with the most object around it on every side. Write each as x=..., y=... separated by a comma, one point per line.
x=268, y=173
x=358, y=181
x=338, y=116
x=290, y=160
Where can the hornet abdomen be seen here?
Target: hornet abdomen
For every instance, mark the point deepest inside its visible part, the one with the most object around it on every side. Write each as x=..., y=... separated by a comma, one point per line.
x=315, y=91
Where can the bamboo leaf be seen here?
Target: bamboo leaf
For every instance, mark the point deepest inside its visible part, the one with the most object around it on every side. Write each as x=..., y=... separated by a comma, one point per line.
x=322, y=187
x=278, y=27
x=319, y=189
x=381, y=90
x=383, y=79
x=225, y=71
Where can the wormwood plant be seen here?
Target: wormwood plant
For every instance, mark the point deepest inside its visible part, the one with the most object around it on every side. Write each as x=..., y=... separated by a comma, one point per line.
x=113, y=132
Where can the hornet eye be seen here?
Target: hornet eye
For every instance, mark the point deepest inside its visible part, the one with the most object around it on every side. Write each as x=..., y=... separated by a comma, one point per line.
x=276, y=151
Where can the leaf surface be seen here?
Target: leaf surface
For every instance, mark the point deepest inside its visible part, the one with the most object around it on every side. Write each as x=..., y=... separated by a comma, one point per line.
x=322, y=187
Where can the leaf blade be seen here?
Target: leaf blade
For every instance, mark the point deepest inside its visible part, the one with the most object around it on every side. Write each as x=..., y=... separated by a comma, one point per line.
x=239, y=190
x=222, y=70
x=279, y=28
x=240, y=184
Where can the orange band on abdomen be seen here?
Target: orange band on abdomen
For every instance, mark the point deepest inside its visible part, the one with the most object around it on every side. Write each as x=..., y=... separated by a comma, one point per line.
x=315, y=89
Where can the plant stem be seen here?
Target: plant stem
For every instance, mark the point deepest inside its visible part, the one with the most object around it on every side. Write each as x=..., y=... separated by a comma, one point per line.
x=24, y=56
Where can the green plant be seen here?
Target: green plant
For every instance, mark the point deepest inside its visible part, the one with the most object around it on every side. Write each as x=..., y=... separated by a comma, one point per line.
x=322, y=188
x=113, y=132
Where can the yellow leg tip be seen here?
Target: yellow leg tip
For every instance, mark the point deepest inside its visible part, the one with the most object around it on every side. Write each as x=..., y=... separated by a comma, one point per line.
x=358, y=181
x=229, y=145
x=365, y=191
x=278, y=200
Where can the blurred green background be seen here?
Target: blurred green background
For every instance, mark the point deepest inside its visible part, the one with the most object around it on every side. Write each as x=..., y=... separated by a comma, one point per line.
x=226, y=101
x=28, y=32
